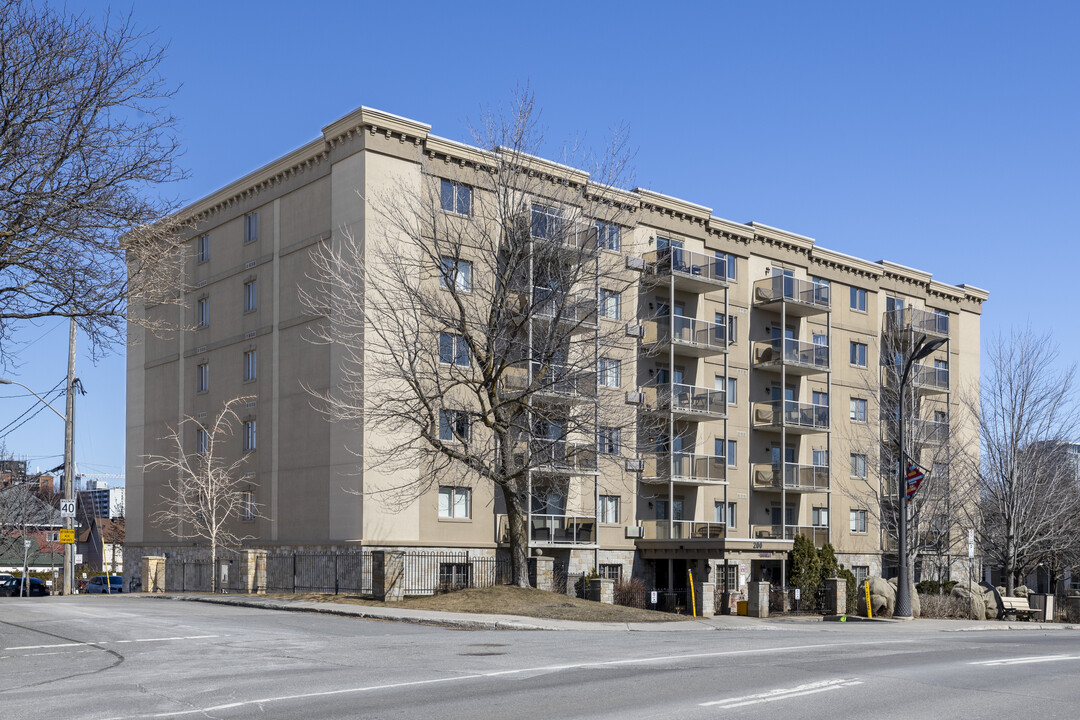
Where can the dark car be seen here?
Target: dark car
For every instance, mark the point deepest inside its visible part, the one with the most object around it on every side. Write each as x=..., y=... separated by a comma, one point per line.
x=13, y=587
x=102, y=584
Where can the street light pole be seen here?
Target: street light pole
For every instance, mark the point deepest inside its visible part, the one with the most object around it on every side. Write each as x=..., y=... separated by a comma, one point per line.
x=919, y=350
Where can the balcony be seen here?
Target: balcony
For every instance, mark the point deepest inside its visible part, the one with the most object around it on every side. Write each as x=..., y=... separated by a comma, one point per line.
x=925, y=379
x=689, y=271
x=930, y=432
x=556, y=382
x=920, y=322
x=797, y=357
x=577, y=312
x=697, y=338
x=800, y=297
x=685, y=402
x=557, y=457
x=818, y=535
x=554, y=530
x=687, y=468
x=793, y=477
x=795, y=417
x=682, y=530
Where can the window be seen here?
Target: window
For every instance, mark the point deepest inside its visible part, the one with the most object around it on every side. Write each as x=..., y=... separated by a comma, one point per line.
x=202, y=253
x=609, y=370
x=662, y=508
x=861, y=572
x=202, y=377
x=452, y=350
x=251, y=227
x=732, y=327
x=546, y=222
x=858, y=465
x=455, y=197
x=453, y=426
x=608, y=236
x=893, y=304
x=858, y=354
x=202, y=312
x=250, y=365
x=819, y=517
x=251, y=296
x=858, y=299
x=611, y=571
x=941, y=321
x=609, y=509
x=821, y=458
x=247, y=506
x=249, y=435
x=455, y=502
x=732, y=453
x=729, y=577
x=858, y=521
x=729, y=264
x=454, y=576
x=858, y=410
x=202, y=441
x=609, y=303
x=608, y=440
x=457, y=273
x=821, y=288
x=733, y=391
x=820, y=398
x=719, y=515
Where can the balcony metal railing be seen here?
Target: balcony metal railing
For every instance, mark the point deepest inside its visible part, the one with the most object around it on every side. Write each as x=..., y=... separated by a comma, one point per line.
x=549, y=304
x=818, y=535
x=559, y=380
x=806, y=478
x=700, y=335
x=685, y=399
x=919, y=321
x=678, y=262
x=931, y=432
x=554, y=529
x=556, y=456
x=788, y=289
x=788, y=351
x=927, y=377
x=791, y=413
x=685, y=468
x=682, y=530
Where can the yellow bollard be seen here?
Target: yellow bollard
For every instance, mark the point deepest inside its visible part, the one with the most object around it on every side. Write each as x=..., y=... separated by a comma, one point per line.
x=693, y=597
x=869, y=608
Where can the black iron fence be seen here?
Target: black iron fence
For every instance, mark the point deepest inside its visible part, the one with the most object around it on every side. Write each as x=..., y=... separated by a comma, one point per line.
x=196, y=576
x=792, y=600
x=344, y=573
x=428, y=573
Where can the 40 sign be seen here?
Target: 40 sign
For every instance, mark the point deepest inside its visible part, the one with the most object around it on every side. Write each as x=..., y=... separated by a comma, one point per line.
x=67, y=508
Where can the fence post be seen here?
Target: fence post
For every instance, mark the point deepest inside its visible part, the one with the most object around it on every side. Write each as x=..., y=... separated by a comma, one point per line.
x=835, y=596
x=153, y=572
x=758, y=600
x=541, y=572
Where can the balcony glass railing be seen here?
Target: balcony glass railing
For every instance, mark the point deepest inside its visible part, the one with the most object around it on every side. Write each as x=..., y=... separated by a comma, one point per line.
x=919, y=321
x=818, y=535
x=686, y=467
x=682, y=530
x=573, y=308
x=789, y=289
x=809, y=478
x=928, y=377
x=792, y=352
x=689, y=399
x=688, y=331
x=555, y=529
x=791, y=413
x=548, y=379
x=671, y=261
x=558, y=456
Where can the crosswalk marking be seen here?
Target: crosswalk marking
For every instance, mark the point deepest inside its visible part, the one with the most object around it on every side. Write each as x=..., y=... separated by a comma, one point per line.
x=783, y=694
x=1026, y=660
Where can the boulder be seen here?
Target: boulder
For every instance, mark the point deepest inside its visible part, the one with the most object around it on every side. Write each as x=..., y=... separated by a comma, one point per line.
x=882, y=597
x=981, y=606
x=916, y=605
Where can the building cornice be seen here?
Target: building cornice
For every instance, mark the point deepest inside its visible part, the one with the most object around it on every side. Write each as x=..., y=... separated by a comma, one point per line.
x=673, y=206
x=842, y=261
x=784, y=238
x=731, y=229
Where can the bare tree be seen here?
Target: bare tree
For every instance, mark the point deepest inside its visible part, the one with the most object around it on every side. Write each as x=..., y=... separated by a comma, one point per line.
x=84, y=140
x=468, y=323
x=206, y=493
x=22, y=513
x=1026, y=414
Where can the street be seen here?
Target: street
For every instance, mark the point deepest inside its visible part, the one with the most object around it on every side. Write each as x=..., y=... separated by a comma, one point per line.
x=139, y=657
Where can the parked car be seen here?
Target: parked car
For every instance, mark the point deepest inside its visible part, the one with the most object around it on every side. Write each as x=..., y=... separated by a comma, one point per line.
x=13, y=587
x=105, y=584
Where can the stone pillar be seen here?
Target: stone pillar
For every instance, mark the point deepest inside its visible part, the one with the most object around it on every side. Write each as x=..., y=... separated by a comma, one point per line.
x=387, y=575
x=758, y=601
x=1048, y=608
x=153, y=573
x=835, y=596
x=542, y=572
x=252, y=572
x=602, y=590
x=705, y=599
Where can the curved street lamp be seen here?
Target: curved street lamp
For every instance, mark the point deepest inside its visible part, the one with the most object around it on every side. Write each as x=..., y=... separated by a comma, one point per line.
x=919, y=350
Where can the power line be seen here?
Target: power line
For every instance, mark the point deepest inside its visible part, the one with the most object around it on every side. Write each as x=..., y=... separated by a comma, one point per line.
x=8, y=429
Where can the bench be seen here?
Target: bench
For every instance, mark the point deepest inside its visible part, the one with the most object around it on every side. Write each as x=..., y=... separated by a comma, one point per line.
x=1019, y=607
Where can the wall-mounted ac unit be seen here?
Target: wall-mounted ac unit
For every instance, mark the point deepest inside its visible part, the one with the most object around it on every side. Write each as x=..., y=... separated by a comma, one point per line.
x=635, y=531
x=635, y=263
x=635, y=464
x=633, y=397
x=637, y=331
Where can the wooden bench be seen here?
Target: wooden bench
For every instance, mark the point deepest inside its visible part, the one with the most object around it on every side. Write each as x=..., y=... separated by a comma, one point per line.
x=1019, y=607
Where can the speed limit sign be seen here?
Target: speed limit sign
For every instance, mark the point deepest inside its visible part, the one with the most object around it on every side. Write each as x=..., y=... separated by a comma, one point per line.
x=67, y=508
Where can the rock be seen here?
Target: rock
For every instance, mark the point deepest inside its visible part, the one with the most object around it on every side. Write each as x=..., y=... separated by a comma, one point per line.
x=882, y=597
x=976, y=597
x=916, y=606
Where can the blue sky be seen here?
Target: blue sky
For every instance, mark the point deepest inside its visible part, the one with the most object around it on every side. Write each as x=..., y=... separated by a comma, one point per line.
x=942, y=136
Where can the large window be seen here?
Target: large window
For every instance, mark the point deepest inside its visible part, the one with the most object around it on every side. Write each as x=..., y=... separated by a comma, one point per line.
x=202, y=312
x=202, y=377
x=609, y=509
x=455, y=197
x=819, y=517
x=858, y=354
x=251, y=365
x=202, y=441
x=453, y=350
x=455, y=502
x=608, y=440
x=251, y=296
x=608, y=236
x=609, y=370
x=251, y=227
x=249, y=435
x=858, y=410
x=730, y=263
x=453, y=426
x=610, y=301
x=857, y=520
x=247, y=506
x=858, y=299
x=732, y=327
x=858, y=465
x=729, y=517
x=203, y=248
x=546, y=222
x=611, y=571
x=456, y=273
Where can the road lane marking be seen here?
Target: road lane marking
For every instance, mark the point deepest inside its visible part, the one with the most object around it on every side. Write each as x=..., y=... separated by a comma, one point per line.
x=783, y=694
x=1026, y=660
x=108, y=642
x=501, y=673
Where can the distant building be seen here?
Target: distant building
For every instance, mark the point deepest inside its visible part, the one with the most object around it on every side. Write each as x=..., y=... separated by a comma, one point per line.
x=14, y=472
x=101, y=545
x=103, y=503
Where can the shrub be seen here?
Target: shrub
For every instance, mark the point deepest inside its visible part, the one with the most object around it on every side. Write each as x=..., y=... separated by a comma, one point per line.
x=631, y=593
x=944, y=606
x=852, y=589
x=933, y=587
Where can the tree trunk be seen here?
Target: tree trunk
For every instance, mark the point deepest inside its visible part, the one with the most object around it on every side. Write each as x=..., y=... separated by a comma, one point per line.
x=213, y=568
x=516, y=519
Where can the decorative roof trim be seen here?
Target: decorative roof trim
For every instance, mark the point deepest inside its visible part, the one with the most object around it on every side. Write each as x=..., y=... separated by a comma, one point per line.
x=785, y=237
x=460, y=152
x=613, y=195
x=674, y=205
x=372, y=118
x=846, y=262
x=543, y=166
x=730, y=227
x=903, y=272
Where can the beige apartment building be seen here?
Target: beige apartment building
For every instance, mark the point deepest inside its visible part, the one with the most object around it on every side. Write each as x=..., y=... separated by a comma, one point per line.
x=749, y=361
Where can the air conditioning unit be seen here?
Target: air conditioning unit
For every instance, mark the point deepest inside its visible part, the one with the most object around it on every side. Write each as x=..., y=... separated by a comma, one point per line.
x=635, y=464
x=633, y=397
x=635, y=531
x=635, y=263
x=637, y=331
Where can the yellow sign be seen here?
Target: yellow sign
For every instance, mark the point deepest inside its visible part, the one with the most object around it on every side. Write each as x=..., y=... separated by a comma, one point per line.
x=67, y=536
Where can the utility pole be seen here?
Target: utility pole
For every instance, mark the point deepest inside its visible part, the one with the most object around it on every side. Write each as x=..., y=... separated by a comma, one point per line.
x=68, y=489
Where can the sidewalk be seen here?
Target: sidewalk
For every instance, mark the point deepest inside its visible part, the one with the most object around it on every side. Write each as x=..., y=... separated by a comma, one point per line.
x=470, y=621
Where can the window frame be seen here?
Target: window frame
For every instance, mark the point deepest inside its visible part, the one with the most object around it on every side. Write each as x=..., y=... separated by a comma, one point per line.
x=860, y=354
x=454, y=493
x=730, y=265
x=858, y=301
x=608, y=236
x=551, y=226
x=251, y=295
x=202, y=377
x=202, y=312
x=857, y=466
x=858, y=410
x=456, y=269
x=857, y=518
x=202, y=249
x=247, y=506
x=458, y=190
x=459, y=351
x=608, y=440
x=250, y=435
x=610, y=300
x=251, y=365
x=251, y=227
x=607, y=368
x=457, y=425
x=610, y=505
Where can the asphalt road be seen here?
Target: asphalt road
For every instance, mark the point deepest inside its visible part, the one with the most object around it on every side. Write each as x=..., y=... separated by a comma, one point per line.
x=136, y=657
